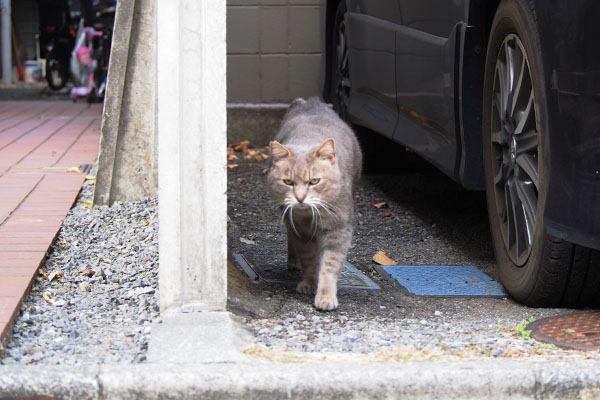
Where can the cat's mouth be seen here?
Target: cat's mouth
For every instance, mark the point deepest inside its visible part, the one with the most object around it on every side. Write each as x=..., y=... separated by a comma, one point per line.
x=301, y=206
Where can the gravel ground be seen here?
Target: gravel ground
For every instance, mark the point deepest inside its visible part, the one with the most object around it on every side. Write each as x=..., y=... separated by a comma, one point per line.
x=99, y=305
x=106, y=317
x=428, y=220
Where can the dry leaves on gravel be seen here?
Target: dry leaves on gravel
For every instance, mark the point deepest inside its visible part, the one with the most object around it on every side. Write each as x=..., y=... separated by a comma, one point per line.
x=52, y=275
x=382, y=259
x=249, y=154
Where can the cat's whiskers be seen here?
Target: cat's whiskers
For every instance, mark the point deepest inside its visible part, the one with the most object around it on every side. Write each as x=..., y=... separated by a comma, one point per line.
x=331, y=210
x=313, y=221
x=291, y=217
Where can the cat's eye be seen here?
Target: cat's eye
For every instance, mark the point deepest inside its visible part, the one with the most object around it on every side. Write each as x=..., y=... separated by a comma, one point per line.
x=314, y=181
x=288, y=182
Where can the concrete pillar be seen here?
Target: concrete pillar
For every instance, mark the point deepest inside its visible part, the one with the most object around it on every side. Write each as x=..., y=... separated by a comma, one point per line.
x=192, y=180
x=6, y=41
x=127, y=158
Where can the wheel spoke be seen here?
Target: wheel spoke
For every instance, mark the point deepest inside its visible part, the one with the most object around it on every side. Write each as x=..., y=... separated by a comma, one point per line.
x=521, y=229
x=510, y=218
x=527, y=142
x=498, y=138
x=521, y=81
x=503, y=94
x=526, y=118
x=528, y=199
x=499, y=178
x=510, y=75
x=529, y=165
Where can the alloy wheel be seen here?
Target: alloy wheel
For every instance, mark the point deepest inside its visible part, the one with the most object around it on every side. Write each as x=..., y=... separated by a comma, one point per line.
x=515, y=139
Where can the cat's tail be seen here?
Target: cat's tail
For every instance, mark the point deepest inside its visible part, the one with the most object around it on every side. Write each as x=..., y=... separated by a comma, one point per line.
x=312, y=103
x=297, y=101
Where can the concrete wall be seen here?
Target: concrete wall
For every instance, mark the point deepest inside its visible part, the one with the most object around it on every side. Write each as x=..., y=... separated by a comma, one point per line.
x=273, y=50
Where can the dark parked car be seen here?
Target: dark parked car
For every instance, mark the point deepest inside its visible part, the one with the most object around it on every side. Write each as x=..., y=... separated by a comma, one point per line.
x=502, y=96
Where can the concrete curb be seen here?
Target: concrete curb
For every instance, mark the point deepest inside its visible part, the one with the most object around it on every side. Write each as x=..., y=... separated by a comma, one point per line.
x=269, y=380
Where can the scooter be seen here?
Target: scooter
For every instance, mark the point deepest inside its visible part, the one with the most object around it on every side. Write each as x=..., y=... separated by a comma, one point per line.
x=90, y=58
x=87, y=65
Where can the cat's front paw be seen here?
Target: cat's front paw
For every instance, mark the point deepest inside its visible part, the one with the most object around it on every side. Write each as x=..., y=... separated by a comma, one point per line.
x=306, y=286
x=326, y=302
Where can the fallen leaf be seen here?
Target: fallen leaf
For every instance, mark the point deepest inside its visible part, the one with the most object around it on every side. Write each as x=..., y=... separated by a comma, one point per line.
x=386, y=214
x=232, y=157
x=382, y=259
x=379, y=205
x=88, y=272
x=145, y=223
x=74, y=169
x=87, y=204
x=90, y=178
x=232, y=166
x=47, y=296
x=247, y=241
x=261, y=157
x=54, y=274
x=265, y=171
x=241, y=147
x=43, y=273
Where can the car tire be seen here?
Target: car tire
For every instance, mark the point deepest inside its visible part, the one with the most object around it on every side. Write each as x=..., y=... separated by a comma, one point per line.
x=377, y=150
x=537, y=269
x=339, y=90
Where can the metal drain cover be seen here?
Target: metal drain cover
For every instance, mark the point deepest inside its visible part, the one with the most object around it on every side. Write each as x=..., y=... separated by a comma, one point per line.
x=350, y=277
x=442, y=280
x=579, y=331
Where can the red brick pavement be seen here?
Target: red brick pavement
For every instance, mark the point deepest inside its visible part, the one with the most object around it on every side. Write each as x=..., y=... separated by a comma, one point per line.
x=39, y=141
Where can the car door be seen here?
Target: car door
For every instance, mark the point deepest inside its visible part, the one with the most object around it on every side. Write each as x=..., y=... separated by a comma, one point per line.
x=371, y=48
x=426, y=60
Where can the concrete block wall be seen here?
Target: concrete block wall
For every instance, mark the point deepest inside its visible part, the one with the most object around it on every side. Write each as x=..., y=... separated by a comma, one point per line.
x=273, y=50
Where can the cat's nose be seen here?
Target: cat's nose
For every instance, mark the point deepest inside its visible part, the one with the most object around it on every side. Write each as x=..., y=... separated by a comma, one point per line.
x=300, y=199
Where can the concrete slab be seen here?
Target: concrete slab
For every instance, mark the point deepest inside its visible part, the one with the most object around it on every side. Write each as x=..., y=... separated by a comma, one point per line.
x=197, y=337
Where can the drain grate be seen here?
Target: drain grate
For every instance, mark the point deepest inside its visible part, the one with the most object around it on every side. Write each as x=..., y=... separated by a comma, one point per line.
x=350, y=277
x=442, y=280
x=579, y=331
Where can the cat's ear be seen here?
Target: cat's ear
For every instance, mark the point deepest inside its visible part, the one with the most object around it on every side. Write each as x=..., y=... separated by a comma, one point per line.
x=278, y=151
x=326, y=151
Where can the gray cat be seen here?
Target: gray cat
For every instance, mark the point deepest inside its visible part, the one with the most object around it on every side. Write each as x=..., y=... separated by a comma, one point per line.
x=315, y=166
